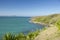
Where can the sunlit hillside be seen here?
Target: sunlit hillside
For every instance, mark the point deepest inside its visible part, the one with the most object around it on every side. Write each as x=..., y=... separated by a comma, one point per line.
x=52, y=32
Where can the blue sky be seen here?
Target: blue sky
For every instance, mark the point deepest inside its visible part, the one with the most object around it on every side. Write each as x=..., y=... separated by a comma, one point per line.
x=29, y=7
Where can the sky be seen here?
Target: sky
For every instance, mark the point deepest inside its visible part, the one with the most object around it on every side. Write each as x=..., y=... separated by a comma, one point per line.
x=29, y=7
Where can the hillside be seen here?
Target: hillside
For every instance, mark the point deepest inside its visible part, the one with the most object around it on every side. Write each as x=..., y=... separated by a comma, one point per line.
x=49, y=19
x=52, y=32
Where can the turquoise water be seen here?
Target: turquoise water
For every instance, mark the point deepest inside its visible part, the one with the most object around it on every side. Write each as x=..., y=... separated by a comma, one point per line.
x=17, y=25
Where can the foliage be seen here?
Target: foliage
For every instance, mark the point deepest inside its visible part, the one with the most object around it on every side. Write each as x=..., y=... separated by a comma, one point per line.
x=49, y=19
x=58, y=24
x=21, y=36
x=8, y=36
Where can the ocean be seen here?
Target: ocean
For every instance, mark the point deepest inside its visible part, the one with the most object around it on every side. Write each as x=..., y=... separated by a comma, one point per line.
x=17, y=25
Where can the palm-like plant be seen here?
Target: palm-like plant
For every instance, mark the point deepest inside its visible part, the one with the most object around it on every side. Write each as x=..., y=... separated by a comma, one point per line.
x=21, y=36
x=8, y=37
x=31, y=36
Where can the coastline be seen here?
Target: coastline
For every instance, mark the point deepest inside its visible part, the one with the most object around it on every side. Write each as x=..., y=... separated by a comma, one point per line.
x=41, y=23
x=51, y=24
x=46, y=26
x=48, y=33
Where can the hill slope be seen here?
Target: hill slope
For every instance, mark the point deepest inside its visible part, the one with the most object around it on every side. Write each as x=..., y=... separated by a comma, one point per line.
x=52, y=32
x=49, y=19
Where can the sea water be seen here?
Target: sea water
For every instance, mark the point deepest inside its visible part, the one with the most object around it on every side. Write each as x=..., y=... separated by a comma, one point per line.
x=17, y=25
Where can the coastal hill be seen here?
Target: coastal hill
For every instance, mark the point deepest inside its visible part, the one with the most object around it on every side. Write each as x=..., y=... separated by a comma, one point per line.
x=48, y=19
x=52, y=32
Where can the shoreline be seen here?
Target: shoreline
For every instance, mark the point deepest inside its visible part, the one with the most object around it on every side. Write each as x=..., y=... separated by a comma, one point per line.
x=41, y=23
x=49, y=28
x=51, y=23
x=47, y=25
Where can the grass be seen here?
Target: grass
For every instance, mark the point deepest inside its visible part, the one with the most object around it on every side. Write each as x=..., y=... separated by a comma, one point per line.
x=50, y=19
x=58, y=24
x=21, y=36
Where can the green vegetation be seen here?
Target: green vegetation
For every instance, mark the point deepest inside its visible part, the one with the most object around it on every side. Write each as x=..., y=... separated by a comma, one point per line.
x=50, y=19
x=21, y=36
x=53, y=23
x=58, y=24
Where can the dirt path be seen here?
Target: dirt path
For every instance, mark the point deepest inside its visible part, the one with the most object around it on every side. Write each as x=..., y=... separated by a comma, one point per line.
x=48, y=34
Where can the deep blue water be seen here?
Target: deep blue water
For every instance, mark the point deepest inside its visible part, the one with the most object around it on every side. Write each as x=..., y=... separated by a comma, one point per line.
x=17, y=25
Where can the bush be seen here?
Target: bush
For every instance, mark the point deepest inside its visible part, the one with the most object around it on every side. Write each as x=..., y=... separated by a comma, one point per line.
x=21, y=36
